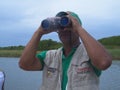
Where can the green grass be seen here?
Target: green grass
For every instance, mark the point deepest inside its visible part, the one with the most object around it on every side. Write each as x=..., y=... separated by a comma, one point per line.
x=10, y=53
x=115, y=53
x=17, y=53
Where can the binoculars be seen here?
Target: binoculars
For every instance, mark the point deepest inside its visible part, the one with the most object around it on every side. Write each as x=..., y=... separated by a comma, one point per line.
x=56, y=23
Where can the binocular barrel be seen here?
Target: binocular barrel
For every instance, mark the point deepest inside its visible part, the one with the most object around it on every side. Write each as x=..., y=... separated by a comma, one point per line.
x=55, y=23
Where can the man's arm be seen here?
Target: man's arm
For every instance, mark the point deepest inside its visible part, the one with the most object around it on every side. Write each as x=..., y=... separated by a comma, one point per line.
x=28, y=60
x=99, y=56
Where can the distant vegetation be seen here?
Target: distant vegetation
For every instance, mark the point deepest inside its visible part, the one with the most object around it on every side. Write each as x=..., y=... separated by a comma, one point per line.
x=15, y=51
x=113, y=46
x=43, y=45
x=12, y=48
x=48, y=44
x=111, y=43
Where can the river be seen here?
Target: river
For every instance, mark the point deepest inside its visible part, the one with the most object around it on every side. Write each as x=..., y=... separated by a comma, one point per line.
x=18, y=79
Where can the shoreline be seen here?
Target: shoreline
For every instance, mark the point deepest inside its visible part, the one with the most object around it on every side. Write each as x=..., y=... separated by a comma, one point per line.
x=17, y=53
x=114, y=59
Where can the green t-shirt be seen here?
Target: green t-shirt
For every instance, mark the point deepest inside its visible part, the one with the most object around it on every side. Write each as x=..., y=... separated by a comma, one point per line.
x=65, y=65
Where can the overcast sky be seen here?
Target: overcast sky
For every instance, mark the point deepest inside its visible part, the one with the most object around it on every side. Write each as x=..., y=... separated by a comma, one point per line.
x=19, y=19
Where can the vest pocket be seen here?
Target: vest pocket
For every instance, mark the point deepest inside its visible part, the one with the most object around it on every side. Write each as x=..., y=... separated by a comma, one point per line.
x=52, y=76
x=82, y=76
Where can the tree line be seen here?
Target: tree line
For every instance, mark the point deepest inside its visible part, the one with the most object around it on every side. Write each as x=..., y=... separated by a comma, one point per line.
x=110, y=42
x=48, y=44
x=43, y=45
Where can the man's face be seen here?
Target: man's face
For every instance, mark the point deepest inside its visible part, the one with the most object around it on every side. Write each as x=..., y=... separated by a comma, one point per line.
x=67, y=36
x=64, y=35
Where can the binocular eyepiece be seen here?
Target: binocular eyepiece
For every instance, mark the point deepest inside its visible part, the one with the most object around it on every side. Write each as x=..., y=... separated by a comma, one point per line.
x=56, y=23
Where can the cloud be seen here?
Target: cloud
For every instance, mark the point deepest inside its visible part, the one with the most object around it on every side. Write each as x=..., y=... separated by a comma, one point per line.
x=20, y=18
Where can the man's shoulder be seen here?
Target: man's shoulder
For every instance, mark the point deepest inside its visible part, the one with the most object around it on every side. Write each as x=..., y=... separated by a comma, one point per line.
x=54, y=51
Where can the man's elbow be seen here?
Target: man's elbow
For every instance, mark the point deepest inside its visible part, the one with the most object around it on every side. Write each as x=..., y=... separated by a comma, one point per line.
x=23, y=65
x=105, y=64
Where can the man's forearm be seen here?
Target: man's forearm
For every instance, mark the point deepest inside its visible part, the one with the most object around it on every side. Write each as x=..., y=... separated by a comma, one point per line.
x=29, y=53
x=97, y=53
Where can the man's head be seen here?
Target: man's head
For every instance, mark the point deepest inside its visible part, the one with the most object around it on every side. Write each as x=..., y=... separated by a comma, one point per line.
x=66, y=35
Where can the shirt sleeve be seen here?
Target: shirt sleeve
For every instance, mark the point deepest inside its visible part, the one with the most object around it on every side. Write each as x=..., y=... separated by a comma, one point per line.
x=41, y=56
x=97, y=71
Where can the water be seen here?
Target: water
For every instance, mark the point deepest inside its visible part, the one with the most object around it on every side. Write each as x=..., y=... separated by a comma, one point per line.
x=110, y=79
x=17, y=79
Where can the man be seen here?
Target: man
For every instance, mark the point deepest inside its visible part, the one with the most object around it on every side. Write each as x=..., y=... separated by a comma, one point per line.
x=75, y=66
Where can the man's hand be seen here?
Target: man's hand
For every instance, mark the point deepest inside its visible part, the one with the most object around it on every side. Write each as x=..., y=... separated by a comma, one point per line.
x=42, y=31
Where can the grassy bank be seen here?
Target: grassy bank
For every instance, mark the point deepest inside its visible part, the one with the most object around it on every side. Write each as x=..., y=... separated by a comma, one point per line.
x=115, y=53
x=10, y=53
x=17, y=53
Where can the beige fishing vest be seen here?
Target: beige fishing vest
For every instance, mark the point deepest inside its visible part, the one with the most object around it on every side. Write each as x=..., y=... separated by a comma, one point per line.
x=81, y=76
